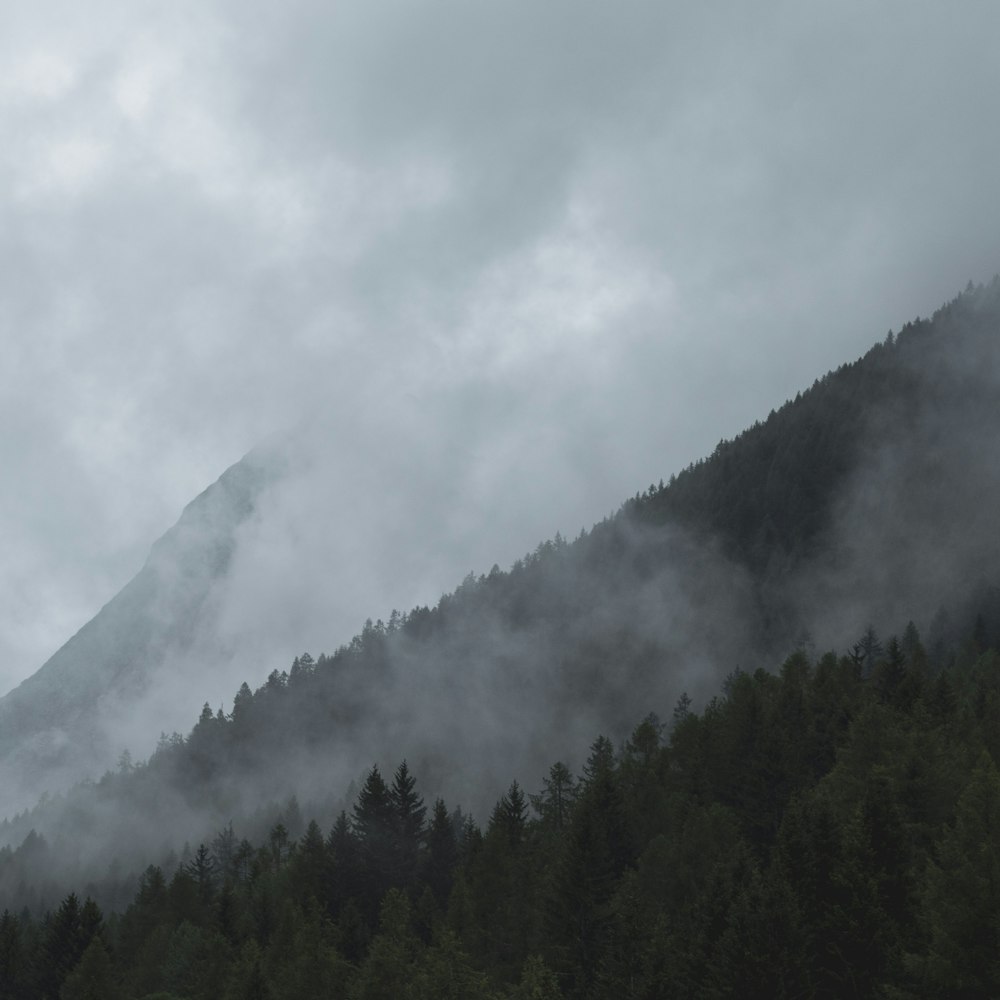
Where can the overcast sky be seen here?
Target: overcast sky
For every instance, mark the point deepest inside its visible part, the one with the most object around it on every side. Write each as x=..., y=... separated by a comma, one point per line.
x=497, y=265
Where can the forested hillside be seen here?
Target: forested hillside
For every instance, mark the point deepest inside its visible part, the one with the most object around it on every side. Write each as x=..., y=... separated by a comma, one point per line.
x=803, y=821
x=821, y=831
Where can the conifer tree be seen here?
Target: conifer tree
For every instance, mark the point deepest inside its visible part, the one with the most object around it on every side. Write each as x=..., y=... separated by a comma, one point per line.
x=344, y=852
x=442, y=853
x=375, y=824
x=409, y=811
x=67, y=933
x=309, y=868
x=558, y=794
x=510, y=815
x=595, y=853
x=203, y=869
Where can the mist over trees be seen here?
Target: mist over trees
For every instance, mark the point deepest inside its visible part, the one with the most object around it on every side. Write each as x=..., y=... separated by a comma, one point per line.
x=800, y=827
x=810, y=832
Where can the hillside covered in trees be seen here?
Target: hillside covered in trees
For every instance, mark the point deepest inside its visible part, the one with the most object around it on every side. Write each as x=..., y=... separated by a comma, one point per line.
x=824, y=830
x=802, y=825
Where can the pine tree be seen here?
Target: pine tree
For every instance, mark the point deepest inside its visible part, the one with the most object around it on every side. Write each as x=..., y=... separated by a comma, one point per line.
x=204, y=870
x=891, y=674
x=409, y=811
x=375, y=824
x=556, y=800
x=224, y=847
x=503, y=890
x=442, y=853
x=309, y=868
x=866, y=651
x=344, y=852
x=682, y=709
x=596, y=852
x=640, y=780
x=67, y=933
x=279, y=846
x=510, y=815
x=601, y=760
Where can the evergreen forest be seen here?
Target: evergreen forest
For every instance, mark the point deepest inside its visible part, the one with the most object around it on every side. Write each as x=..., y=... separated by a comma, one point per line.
x=825, y=830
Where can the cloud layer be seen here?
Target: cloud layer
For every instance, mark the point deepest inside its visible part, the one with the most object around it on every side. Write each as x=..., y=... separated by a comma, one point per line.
x=490, y=267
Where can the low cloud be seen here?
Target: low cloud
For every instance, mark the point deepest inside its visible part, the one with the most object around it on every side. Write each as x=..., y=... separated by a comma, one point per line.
x=535, y=258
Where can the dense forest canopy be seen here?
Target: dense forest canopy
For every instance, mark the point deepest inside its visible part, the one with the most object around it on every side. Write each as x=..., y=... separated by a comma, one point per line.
x=823, y=830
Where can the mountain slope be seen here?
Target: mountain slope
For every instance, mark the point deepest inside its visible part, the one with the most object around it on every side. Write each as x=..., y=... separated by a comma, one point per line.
x=869, y=499
x=53, y=726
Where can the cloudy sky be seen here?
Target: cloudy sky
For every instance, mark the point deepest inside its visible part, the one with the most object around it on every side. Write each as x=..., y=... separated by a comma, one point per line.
x=495, y=265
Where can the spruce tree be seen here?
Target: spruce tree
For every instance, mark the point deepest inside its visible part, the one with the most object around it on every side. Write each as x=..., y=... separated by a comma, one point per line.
x=376, y=828
x=442, y=853
x=409, y=811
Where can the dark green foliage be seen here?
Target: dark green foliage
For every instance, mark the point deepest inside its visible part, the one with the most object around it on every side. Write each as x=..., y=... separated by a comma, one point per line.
x=819, y=855
x=15, y=971
x=510, y=816
x=248, y=979
x=93, y=978
x=554, y=804
x=596, y=850
x=812, y=834
x=203, y=870
x=374, y=823
x=408, y=823
x=442, y=854
x=310, y=867
x=961, y=894
x=346, y=860
x=445, y=971
x=497, y=912
x=387, y=969
x=66, y=934
x=537, y=982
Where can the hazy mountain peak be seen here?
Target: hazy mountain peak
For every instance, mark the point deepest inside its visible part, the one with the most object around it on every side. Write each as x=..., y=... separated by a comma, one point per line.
x=55, y=722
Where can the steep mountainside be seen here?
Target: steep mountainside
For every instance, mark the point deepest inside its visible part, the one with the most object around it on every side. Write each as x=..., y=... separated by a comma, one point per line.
x=869, y=499
x=52, y=727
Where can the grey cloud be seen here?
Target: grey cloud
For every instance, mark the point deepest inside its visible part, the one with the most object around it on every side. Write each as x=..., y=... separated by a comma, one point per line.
x=376, y=220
